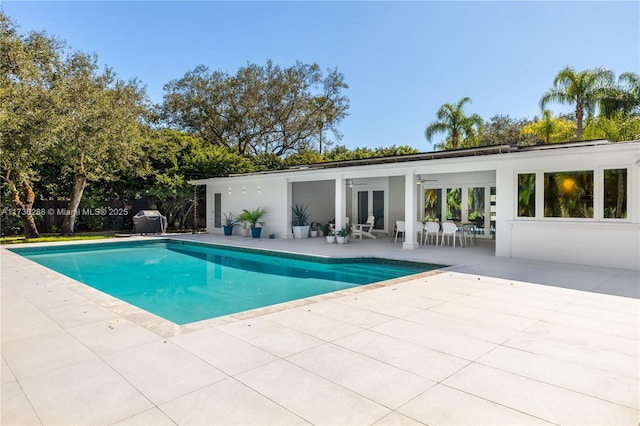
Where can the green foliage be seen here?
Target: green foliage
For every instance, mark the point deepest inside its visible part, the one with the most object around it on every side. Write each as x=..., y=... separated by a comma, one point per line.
x=527, y=195
x=616, y=129
x=91, y=203
x=622, y=99
x=452, y=120
x=300, y=215
x=259, y=110
x=502, y=129
x=303, y=157
x=229, y=219
x=345, y=231
x=268, y=161
x=341, y=152
x=51, y=239
x=175, y=197
x=550, y=129
x=253, y=217
x=582, y=89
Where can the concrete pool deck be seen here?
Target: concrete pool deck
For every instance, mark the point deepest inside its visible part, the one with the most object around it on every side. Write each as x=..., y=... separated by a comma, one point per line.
x=485, y=341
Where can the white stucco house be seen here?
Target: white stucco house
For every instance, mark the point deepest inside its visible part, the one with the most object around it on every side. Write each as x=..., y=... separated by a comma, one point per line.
x=573, y=202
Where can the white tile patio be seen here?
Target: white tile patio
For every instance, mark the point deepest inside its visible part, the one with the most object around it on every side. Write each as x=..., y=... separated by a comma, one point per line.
x=486, y=341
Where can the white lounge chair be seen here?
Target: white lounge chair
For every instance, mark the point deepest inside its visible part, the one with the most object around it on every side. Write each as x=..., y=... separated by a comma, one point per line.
x=365, y=229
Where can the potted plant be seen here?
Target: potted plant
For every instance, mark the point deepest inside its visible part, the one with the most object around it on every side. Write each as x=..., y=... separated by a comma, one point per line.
x=300, y=221
x=230, y=220
x=331, y=236
x=342, y=235
x=244, y=227
x=315, y=228
x=252, y=217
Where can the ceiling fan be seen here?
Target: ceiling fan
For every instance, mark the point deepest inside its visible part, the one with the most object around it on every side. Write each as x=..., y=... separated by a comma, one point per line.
x=420, y=180
x=351, y=183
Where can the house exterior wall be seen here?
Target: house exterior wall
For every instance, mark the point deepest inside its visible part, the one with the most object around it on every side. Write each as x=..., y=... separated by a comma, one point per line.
x=594, y=241
x=396, y=201
x=249, y=193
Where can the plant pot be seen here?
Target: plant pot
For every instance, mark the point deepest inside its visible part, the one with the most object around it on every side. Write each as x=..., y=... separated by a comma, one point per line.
x=341, y=240
x=244, y=232
x=314, y=234
x=255, y=232
x=301, y=231
x=228, y=229
x=331, y=239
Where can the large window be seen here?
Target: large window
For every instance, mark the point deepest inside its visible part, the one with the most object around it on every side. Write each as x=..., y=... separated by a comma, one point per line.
x=432, y=204
x=527, y=195
x=454, y=204
x=615, y=194
x=568, y=194
x=475, y=203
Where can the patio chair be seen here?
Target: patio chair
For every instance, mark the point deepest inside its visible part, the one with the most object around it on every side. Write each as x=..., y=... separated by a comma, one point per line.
x=399, y=230
x=450, y=229
x=365, y=229
x=432, y=229
x=420, y=231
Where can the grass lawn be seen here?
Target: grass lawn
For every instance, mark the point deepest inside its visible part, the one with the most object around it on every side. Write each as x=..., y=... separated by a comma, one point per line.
x=47, y=238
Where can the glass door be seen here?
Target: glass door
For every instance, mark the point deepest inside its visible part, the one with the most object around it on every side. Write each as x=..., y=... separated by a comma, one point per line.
x=371, y=202
x=432, y=205
x=464, y=203
x=454, y=204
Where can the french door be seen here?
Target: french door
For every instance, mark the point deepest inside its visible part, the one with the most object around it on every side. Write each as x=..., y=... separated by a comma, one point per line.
x=370, y=202
x=462, y=203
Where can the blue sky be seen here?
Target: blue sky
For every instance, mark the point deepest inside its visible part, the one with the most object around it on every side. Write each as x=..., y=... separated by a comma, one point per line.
x=402, y=60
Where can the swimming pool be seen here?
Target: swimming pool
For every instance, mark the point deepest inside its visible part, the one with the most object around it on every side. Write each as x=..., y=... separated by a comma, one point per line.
x=185, y=282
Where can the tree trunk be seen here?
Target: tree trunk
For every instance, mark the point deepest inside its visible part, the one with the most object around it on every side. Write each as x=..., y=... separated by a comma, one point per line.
x=24, y=207
x=79, y=182
x=454, y=139
x=579, y=116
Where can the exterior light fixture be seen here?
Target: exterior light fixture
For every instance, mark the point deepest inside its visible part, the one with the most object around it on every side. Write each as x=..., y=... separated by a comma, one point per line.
x=259, y=189
x=229, y=190
x=244, y=190
x=419, y=180
x=350, y=183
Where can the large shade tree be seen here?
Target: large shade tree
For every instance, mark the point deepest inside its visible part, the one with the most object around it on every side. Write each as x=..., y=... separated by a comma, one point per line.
x=452, y=120
x=583, y=89
x=99, y=118
x=261, y=109
x=502, y=129
x=27, y=69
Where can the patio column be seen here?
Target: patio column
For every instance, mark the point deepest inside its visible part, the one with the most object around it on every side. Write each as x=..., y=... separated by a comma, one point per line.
x=341, y=202
x=410, y=216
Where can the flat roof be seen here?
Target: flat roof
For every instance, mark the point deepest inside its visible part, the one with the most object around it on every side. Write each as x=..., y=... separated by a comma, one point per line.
x=433, y=155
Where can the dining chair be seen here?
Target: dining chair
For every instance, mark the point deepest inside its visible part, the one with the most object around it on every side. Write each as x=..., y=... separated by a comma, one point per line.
x=432, y=229
x=420, y=231
x=450, y=229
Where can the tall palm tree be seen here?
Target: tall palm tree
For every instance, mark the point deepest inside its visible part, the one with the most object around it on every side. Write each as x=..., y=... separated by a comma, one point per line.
x=453, y=120
x=622, y=99
x=582, y=88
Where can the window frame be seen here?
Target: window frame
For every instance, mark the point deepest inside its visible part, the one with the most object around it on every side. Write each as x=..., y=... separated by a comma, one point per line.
x=598, y=194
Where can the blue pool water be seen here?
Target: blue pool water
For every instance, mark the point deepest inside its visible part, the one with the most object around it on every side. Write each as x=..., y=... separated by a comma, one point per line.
x=186, y=282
